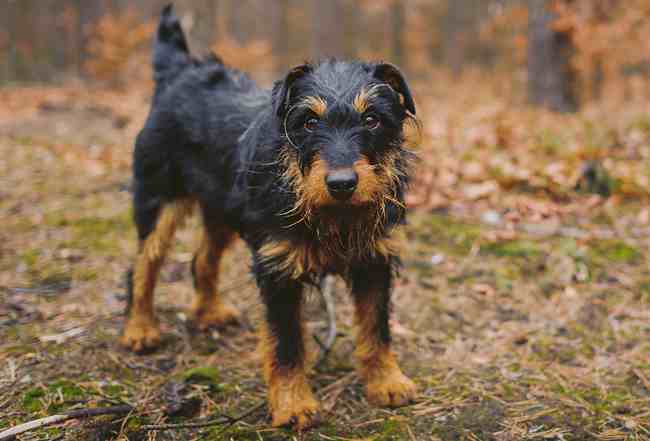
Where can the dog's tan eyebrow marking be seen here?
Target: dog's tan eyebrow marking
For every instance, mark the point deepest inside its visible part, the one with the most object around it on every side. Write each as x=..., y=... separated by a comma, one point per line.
x=360, y=102
x=317, y=105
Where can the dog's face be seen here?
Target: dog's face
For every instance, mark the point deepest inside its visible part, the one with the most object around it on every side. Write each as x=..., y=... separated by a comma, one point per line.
x=344, y=127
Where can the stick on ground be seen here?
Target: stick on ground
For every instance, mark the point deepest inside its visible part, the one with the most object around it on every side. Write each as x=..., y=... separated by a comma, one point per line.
x=56, y=419
x=227, y=420
x=327, y=293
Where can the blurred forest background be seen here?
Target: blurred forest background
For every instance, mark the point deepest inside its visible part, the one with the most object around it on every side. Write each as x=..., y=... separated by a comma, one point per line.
x=575, y=50
x=523, y=309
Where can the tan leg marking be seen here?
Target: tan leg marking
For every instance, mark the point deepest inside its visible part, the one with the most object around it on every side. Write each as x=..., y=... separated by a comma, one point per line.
x=208, y=308
x=386, y=385
x=141, y=331
x=290, y=398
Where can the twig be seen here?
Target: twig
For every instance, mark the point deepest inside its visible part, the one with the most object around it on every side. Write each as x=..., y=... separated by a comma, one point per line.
x=56, y=419
x=330, y=393
x=227, y=420
x=327, y=293
x=643, y=378
x=52, y=288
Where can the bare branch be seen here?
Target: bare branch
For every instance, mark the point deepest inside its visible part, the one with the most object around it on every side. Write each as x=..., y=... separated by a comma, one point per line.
x=56, y=419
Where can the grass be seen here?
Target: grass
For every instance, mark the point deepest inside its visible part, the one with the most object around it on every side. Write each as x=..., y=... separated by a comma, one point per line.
x=510, y=334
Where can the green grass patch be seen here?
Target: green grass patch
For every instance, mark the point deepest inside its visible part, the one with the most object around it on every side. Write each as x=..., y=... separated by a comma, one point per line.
x=32, y=400
x=481, y=420
x=513, y=248
x=615, y=251
x=94, y=233
x=392, y=429
x=446, y=233
x=550, y=142
x=67, y=389
x=202, y=375
x=45, y=272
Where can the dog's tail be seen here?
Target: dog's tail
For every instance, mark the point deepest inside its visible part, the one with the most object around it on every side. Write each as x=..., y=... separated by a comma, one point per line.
x=171, y=53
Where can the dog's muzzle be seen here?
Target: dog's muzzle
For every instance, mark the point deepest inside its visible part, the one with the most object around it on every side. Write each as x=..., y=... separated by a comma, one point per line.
x=342, y=183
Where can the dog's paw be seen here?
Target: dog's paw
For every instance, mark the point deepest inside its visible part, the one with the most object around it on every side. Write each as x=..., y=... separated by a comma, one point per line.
x=292, y=403
x=298, y=412
x=140, y=335
x=218, y=315
x=391, y=389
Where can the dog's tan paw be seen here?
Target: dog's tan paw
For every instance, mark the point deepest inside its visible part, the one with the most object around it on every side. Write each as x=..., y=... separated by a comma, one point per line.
x=140, y=335
x=217, y=315
x=298, y=412
x=292, y=403
x=391, y=390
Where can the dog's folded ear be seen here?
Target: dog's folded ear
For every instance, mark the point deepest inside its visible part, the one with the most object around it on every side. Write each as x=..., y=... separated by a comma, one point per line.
x=391, y=75
x=282, y=89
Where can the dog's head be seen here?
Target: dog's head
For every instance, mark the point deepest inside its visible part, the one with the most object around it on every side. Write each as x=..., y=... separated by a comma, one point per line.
x=345, y=131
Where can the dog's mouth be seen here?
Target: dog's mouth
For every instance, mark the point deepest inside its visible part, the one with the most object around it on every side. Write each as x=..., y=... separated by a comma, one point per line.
x=345, y=217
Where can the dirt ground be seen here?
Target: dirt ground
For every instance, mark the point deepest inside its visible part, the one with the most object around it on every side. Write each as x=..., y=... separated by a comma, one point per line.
x=530, y=329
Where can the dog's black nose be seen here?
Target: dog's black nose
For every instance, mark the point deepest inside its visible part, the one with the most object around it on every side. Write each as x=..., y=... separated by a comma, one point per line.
x=342, y=183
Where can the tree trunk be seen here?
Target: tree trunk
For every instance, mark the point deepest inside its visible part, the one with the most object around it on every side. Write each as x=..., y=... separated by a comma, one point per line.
x=352, y=28
x=453, y=29
x=10, y=66
x=281, y=34
x=551, y=78
x=204, y=29
x=327, y=19
x=237, y=21
x=398, y=19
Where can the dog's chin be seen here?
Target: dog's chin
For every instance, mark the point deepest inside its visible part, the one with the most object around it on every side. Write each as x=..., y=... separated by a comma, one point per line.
x=344, y=208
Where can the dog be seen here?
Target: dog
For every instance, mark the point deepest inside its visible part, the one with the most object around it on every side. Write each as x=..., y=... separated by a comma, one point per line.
x=310, y=174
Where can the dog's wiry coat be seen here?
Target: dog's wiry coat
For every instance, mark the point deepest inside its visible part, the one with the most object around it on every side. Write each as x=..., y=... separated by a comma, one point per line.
x=311, y=175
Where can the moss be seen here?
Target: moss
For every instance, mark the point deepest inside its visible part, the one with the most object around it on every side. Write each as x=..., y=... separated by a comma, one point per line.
x=481, y=420
x=114, y=390
x=30, y=257
x=391, y=429
x=202, y=375
x=65, y=390
x=43, y=272
x=466, y=277
x=85, y=274
x=549, y=349
x=614, y=251
x=449, y=234
x=550, y=142
x=505, y=277
x=95, y=233
x=32, y=400
x=513, y=248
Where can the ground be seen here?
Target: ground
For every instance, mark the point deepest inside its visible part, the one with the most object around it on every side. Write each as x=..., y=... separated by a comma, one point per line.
x=522, y=312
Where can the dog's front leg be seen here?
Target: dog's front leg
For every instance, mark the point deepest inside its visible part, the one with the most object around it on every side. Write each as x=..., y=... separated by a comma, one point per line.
x=386, y=385
x=282, y=343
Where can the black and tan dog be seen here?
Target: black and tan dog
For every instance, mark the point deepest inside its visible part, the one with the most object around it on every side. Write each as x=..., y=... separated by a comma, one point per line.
x=310, y=174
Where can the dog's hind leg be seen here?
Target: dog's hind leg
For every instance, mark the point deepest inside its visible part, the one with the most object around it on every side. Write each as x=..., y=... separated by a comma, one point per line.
x=209, y=309
x=141, y=331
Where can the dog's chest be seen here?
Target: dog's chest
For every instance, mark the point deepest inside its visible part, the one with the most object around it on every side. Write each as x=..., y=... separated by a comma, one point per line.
x=326, y=251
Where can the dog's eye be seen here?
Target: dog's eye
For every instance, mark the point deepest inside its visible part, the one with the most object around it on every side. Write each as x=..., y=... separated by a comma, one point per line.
x=371, y=122
x=311, y=124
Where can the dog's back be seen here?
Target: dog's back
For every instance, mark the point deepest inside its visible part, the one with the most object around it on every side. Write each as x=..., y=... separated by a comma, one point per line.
x=200, y=109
